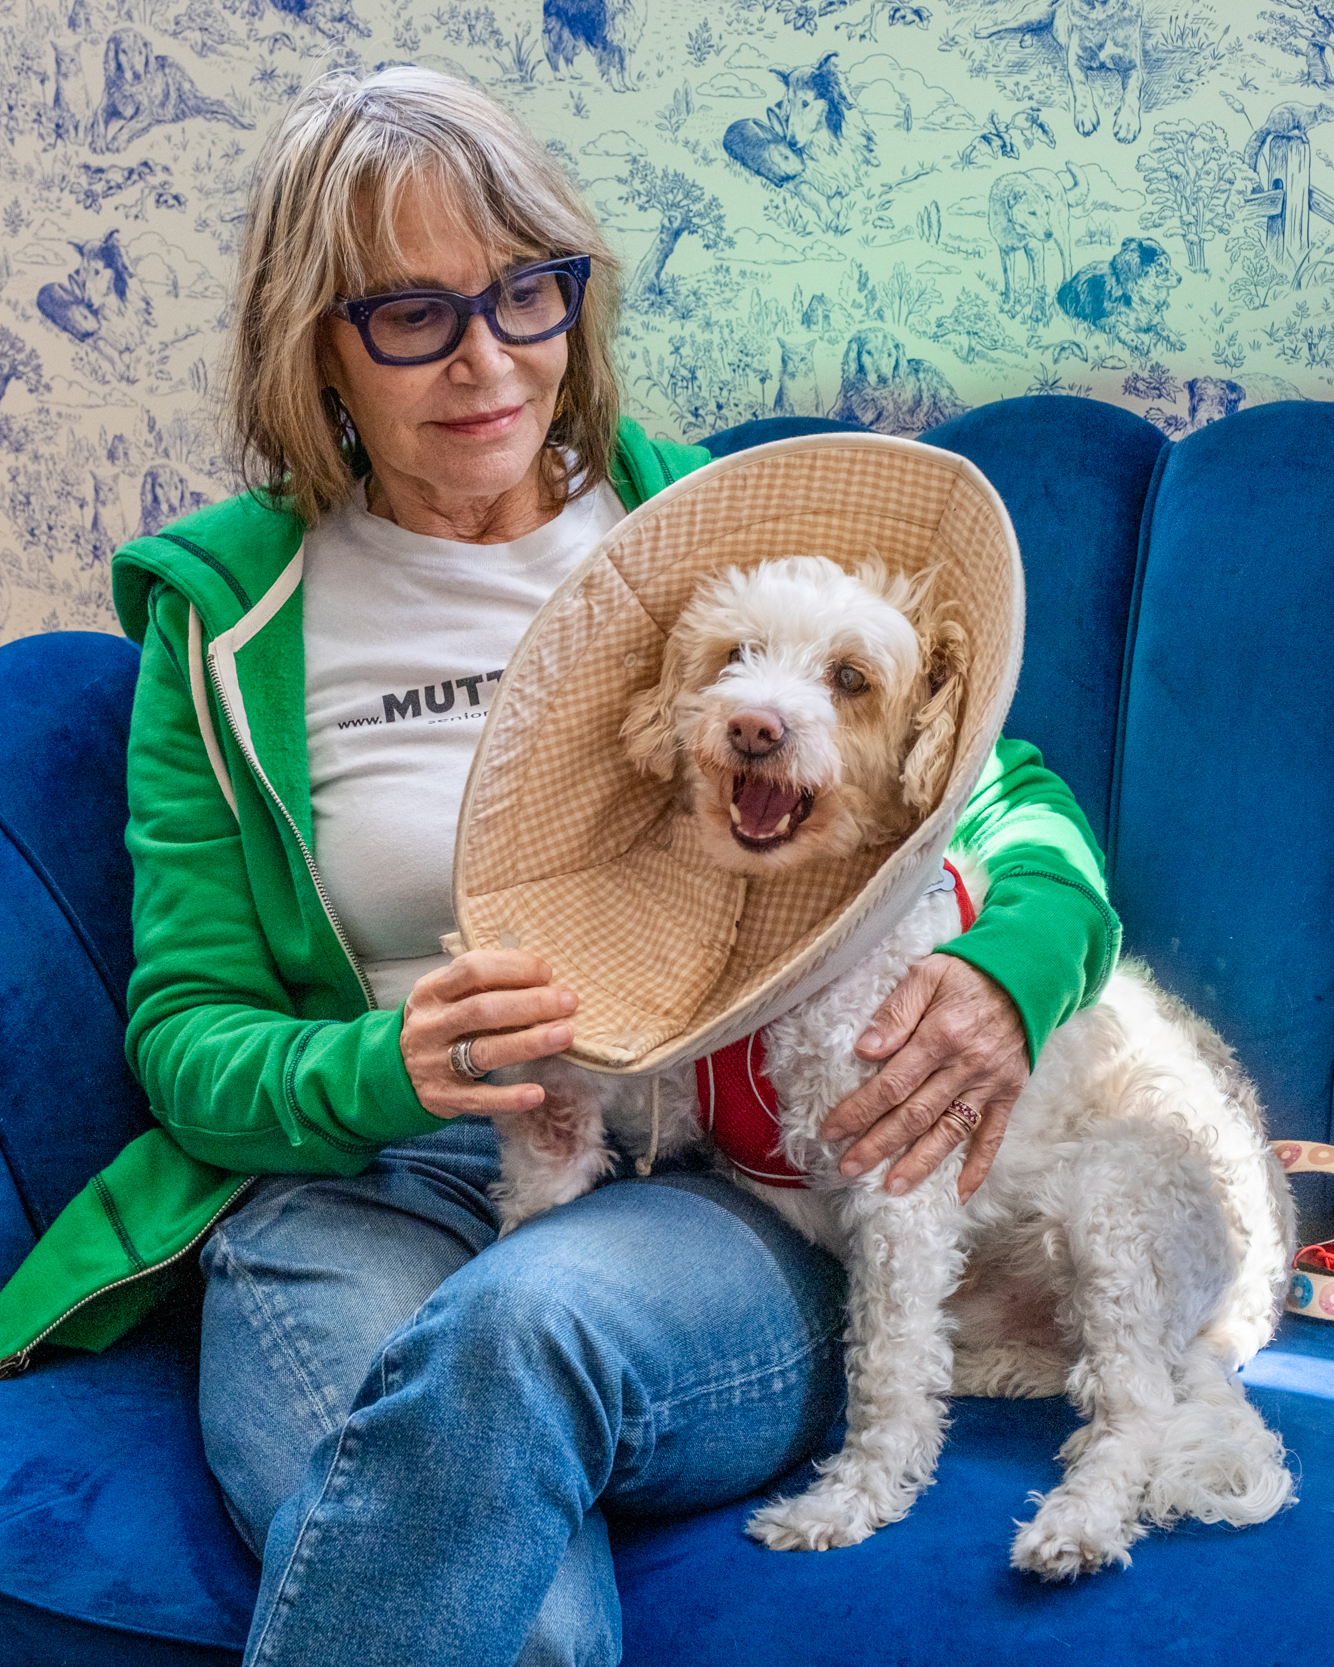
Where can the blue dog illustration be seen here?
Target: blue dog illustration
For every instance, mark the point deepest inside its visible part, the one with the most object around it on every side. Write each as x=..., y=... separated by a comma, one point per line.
x=816, y=143
x=610, y=29
x=143, y=89
x=1125, y=297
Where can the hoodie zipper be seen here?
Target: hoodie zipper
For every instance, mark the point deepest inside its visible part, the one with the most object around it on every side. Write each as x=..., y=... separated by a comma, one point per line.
x=326, y=902
x=12, y=1365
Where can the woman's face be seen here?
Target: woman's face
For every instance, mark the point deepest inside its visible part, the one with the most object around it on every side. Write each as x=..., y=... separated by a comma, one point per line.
x=455, y=445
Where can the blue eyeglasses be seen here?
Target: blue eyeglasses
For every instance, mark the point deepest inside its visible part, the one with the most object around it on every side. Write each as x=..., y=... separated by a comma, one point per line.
x=419, y=326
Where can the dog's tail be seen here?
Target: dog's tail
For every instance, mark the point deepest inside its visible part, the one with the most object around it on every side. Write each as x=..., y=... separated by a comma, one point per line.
x=1216, y=1458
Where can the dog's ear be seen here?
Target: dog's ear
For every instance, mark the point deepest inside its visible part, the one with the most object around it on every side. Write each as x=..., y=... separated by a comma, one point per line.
x=649, y=730
x=928, y=761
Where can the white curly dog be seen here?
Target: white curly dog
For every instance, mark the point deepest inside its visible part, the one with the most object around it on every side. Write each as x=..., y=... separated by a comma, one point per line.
x=1129, y=1246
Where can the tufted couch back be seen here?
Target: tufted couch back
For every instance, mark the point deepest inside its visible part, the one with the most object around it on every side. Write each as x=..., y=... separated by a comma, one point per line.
x=1179, y=673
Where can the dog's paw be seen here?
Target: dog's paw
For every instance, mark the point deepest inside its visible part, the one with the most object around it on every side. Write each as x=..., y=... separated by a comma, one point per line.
x=812, y=1523
x=829, y=1514
x=1086, y=119
x=1126, y=126
x=1070, y=1537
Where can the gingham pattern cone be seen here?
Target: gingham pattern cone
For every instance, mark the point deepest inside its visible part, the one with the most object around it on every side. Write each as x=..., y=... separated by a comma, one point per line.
x=561, y=845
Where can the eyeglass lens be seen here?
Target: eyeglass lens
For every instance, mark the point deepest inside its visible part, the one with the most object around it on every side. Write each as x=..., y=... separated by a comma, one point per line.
x=526, y=305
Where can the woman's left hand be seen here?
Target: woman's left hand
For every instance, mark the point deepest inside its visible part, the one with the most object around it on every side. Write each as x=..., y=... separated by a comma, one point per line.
x=949, y=1032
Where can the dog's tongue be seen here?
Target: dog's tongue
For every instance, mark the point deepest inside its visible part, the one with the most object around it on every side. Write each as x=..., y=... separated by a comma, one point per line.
x=762, y=805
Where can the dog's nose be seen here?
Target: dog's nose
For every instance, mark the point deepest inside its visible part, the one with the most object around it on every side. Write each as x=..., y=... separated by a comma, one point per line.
x=756, y=731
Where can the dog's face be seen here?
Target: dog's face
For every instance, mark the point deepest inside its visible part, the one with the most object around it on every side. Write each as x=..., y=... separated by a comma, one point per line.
x=1144, y=269
x=1212, y=398
x=807, y=712
x=128, y=57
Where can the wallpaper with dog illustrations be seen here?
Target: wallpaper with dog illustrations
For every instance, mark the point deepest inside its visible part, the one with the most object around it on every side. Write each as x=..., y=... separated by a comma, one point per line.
x=871, y=210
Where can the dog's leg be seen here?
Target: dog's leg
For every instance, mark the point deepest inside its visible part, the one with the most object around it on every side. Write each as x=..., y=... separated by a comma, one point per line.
x=555, y=1153
x=1141, y=1280
x=1218, y=1460
x=1086, y=110
x=1009, y=304
x=134, y=127
x=905, y=1261
x=1126, y=125
x=1039, y=311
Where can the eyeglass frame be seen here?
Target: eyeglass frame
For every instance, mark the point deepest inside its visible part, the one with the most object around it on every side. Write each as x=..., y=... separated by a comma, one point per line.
x=467, y=307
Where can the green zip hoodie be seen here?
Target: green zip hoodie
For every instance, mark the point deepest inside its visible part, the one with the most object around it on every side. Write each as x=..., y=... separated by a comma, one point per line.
x=252, y=1028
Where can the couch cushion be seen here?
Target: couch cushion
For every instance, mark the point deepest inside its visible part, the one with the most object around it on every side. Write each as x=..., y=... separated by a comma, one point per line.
x=68, y=1102
x=108, y=1516
x=66, y=696
x=1222, y=865
x=935, y=1590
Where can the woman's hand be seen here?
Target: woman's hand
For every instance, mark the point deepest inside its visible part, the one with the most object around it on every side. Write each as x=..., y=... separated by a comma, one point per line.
x=505, y=999
x=949, y=1033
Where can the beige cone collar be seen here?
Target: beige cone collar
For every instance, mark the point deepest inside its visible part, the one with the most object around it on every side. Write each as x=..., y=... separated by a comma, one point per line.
x=560, y=847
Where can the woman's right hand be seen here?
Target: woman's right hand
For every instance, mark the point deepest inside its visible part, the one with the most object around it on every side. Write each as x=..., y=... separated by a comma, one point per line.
x=505, y=1000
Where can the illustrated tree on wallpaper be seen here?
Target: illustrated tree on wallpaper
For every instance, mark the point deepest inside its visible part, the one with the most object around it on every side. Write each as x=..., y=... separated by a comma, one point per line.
x=973, y=329
x=19, y=363
x=1302, y=29
x=683, y=210
x=1191, y=178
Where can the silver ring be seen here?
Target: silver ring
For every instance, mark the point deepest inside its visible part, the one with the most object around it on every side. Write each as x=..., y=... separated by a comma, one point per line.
x=461, y=1061
x=963, y=1113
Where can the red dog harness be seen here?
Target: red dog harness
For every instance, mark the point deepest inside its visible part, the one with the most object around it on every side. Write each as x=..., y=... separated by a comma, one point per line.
x=737, y=1103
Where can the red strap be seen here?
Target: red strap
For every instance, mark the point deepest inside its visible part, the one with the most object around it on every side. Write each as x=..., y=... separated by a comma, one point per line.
x=737, y=1103
x=967, y=913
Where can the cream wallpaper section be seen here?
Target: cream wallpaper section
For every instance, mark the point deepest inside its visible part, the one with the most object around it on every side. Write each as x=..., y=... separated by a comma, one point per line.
x=857, y=208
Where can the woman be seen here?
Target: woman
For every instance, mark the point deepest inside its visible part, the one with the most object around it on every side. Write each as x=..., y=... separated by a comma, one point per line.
x=412, y=1423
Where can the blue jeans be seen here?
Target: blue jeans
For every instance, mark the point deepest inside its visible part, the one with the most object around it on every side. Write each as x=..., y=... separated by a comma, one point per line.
x=414, y=1423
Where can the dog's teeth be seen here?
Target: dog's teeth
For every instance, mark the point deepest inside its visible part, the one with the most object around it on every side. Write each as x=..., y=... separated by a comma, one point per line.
x=782, y=827
x=736, y=815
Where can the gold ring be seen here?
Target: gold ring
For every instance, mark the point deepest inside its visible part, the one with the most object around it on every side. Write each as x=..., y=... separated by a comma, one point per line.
x=963, y=1113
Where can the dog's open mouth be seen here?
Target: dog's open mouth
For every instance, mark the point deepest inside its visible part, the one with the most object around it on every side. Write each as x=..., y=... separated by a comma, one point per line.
x=766, y=813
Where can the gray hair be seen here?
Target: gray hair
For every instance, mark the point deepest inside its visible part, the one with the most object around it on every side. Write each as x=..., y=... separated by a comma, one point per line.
x=321, y=222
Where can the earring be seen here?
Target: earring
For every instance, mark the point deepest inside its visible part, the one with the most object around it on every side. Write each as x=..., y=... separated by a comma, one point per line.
x=559, y=412
x=353, y=452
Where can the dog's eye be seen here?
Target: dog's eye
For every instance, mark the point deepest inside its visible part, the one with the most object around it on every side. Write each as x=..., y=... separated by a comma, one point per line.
x=733, y=655
x=848, y=680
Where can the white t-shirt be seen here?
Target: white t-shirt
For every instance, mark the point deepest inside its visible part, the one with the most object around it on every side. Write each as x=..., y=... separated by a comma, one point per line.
x=406, y=637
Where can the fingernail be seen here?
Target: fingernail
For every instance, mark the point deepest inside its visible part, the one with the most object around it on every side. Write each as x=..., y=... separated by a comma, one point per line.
x=852, y=1166
x=568, y=1001
x=533, y=1097
x=898, y=1188
x=561, y=1036
x=871, y=1040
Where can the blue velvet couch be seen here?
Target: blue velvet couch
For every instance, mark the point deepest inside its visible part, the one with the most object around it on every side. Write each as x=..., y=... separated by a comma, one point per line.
x=1180, y=675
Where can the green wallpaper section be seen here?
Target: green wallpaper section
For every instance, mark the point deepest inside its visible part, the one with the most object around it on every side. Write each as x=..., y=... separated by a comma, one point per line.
x=883, y=212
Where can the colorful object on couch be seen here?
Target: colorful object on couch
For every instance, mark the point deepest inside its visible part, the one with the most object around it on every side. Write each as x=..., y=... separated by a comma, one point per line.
x=1311, y=1288
x=737, y=1102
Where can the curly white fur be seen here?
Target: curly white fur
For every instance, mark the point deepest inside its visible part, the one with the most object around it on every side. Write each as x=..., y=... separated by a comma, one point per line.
x=1129, y=1246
